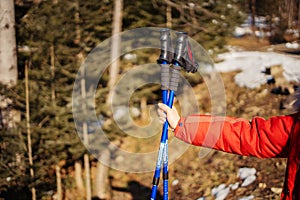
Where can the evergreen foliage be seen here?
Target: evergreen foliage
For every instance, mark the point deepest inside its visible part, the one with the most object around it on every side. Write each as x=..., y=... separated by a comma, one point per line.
x=70, y=28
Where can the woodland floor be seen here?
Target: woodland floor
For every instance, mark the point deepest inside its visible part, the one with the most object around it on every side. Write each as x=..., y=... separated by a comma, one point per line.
x=197, y=176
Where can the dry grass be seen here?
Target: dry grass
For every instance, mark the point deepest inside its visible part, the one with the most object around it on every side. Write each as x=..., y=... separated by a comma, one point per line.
x=249, y=43
x=197, y=176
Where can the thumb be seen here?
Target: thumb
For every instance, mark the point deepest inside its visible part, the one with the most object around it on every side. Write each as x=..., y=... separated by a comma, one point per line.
x=164, y=107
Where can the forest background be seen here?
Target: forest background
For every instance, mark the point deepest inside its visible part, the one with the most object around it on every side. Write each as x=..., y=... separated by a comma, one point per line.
x=42, y=45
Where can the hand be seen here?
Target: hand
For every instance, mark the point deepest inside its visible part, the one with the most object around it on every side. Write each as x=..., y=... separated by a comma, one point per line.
x=171, y=114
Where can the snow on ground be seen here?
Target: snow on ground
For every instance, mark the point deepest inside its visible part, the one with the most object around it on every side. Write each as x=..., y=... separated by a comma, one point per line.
x=252, y=63
x=221, y=191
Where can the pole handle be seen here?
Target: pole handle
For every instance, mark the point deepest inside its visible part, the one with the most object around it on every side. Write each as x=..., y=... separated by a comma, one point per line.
x=183, y=53
x=166, y=54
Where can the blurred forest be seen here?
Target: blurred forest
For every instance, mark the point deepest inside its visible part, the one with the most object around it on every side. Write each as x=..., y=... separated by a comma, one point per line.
x=42, y=157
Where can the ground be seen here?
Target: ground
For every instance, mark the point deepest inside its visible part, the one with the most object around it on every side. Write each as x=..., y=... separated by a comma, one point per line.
x=195, y=176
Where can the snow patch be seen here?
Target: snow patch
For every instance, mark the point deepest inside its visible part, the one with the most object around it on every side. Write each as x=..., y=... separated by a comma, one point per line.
x=252, y=63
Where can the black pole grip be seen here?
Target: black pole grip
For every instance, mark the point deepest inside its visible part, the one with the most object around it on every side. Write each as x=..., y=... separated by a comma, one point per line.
x=183, y=53
x=166, y=54
x=180, y=47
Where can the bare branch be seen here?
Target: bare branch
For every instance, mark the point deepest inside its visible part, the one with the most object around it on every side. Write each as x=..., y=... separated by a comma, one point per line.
x=197, y=7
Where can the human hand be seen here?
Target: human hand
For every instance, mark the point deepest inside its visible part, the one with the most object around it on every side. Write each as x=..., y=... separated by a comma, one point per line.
x=167, y=113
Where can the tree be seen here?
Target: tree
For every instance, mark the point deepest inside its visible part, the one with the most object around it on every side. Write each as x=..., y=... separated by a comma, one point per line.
x=58, y=35
x=208, y=22
x=115, y=47
x=11, y=159
x=8, y=55
x=54, y=138
x=28, y=130
x=252, y=8
x=282, y=16
x=53, y=75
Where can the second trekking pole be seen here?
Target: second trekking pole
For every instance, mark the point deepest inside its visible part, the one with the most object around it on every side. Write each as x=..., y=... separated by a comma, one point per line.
x=168, y=83
x=182, y=57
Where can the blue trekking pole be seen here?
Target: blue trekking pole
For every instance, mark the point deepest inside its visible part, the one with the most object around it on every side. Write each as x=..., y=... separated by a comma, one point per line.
x=183, y=57
x=164, y=60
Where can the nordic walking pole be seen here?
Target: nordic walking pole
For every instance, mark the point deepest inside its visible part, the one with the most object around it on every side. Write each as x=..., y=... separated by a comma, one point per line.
x=164, y=60
x=183, y=57
x=175, y=76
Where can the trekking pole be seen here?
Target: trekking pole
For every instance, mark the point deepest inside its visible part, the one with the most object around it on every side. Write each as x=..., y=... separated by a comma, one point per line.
x=167, y=98
x=164, y=60
x=183, y=57
x=174, y=80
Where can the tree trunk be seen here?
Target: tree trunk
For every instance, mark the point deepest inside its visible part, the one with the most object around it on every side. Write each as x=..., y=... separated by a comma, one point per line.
x=80, y=58
x=253, y=13
x=85, y=134
x=78, y=177
x=193, y=16
x=52, y=66
x=77, y=21
x=169, y=16
x=29, y=144
x=87, y=177
x=298, y=16
x=102, y=185
x=58, y=183
x=53, y=98
x=144, y=110
x=115, y=48
x=8, y=56
x=290, y=13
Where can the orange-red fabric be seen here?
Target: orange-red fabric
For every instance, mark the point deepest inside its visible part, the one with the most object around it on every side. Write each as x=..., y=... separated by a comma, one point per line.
x=278, y=136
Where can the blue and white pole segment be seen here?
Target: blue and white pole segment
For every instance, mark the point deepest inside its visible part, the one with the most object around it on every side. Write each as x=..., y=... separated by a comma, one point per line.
x=163, y=149
x=164, y=136
x=167, y=84
x=173, y=88
x=183, y=57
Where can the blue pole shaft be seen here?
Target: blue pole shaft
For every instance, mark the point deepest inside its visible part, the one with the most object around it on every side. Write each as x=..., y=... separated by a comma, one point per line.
x=165, y=155
x=165, y=135
x=165, y=100
x=169, y=103
x=162, y=154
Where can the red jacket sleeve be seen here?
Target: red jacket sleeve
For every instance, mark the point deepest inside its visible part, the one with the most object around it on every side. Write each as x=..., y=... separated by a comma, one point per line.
x=259, y=137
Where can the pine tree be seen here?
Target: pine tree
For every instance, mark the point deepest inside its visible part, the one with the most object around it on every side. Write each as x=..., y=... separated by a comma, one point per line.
x=53, y=34
x=54, y=40
x=8, y=57
x=53, y=66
